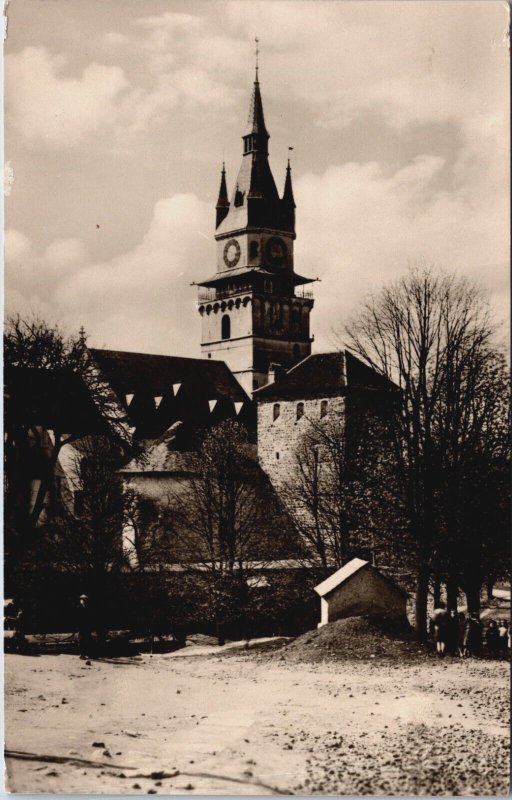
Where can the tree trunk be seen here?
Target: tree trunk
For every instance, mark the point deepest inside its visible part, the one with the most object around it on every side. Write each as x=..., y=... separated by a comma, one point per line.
x=437, y=591
x=473, y=596
x=421, y=601
x=452, y=591
x=219, y=628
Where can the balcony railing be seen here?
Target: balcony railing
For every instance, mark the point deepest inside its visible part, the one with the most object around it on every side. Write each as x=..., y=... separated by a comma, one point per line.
x=210, y=295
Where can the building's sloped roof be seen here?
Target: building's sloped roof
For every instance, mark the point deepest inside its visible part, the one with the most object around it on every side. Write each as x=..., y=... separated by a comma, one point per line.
x=55, y=399
x=324, y=374
x=158, y=391
x=340, y=576
x=251, y=272
x=162, y=456
x=347, y=571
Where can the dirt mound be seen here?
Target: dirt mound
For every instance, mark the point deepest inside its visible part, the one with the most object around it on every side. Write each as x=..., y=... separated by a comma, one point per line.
x=355, y=638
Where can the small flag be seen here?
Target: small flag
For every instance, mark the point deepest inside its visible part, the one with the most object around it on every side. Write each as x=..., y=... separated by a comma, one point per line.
x=129, y=398
x=176, y=387
x=158, y=400
x=212, y=404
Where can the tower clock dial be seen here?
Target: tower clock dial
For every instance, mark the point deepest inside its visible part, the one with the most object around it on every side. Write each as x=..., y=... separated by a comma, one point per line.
x=231, y=253
x=276, y=251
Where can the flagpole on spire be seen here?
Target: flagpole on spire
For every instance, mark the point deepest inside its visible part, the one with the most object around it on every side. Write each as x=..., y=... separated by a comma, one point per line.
x=257, y=52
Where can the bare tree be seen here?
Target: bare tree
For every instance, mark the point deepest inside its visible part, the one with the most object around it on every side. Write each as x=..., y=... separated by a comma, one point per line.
x=225, y=518
x=34, y=349
x=341, y=493
x=84, y=535
x=473, y=425
x=427, y=332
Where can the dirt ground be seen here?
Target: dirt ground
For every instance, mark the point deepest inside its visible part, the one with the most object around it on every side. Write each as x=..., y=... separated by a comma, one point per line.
x=248, y=723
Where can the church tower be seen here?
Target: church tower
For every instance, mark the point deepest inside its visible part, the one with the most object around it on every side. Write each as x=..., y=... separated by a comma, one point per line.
x=253, y=313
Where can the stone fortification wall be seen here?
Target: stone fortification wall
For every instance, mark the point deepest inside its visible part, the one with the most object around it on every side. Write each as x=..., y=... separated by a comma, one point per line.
x=280, y=437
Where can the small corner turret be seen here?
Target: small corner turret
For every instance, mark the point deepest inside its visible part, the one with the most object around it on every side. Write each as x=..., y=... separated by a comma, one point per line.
x=222, y=206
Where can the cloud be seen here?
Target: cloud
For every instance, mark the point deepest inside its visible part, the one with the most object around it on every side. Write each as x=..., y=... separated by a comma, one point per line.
x=360, y=227
x=412, y=63
x=43, y=104
x=140, y=300
x=35, y=274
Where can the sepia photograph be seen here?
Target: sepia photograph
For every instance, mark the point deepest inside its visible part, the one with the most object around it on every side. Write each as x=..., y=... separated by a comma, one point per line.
x=256, y=519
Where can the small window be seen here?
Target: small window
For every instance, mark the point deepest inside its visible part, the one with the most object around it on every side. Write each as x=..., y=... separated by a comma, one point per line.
x=277, y=455
x=268, y=286
x=300, y=410
x=209, y=355
x=277, y=411
x=254, y=249
x=324, y=408
x=225, y=327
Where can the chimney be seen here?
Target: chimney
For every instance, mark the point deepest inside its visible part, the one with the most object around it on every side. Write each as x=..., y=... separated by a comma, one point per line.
x=275, y=373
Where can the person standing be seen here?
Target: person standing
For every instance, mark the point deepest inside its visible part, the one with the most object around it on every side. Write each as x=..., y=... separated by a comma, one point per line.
x=492, y=638
x=503, y=636
x=84, y=627
x=461, y=623
x=452, y=633
x=20, y=642
x=440, y=624
x=473, y=635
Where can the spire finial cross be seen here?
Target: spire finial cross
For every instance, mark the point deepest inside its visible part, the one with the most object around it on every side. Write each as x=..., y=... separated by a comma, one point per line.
x=257, y=52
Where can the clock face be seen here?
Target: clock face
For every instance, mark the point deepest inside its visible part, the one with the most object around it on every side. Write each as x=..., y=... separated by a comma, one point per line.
x=231, y=253
x=276, y=251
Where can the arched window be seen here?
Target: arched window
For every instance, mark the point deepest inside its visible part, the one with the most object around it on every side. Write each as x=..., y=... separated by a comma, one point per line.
x=277, y=411
x=324, y=408
x=225, y=327
x=254, y=249
x=300, y=410
x=268, y=286
x=296, y=352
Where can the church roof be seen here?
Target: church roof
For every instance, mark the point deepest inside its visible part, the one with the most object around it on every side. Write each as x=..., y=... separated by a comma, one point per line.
x=55, y=399
x=161, y=456
x=324, y=374
x=157, y=391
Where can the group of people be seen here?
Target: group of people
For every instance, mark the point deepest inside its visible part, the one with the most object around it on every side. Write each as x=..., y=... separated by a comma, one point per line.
x=458, y=635
x=83, y=627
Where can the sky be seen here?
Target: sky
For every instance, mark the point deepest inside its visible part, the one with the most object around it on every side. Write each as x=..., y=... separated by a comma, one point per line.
x=119, y=113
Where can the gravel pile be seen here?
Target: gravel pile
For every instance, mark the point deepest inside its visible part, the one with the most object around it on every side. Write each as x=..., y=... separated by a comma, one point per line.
x=354, y=638
x=418, y=761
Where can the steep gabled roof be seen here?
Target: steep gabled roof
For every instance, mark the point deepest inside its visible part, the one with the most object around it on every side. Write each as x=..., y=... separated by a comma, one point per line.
x=157, y=391
x=346, y=572
x=324, y=374
x=340, y=576
x=55, y=399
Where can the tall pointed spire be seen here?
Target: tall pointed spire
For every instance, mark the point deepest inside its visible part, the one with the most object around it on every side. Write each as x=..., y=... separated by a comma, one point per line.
x=222, y=206
x=256, y=135
x=288, y=190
